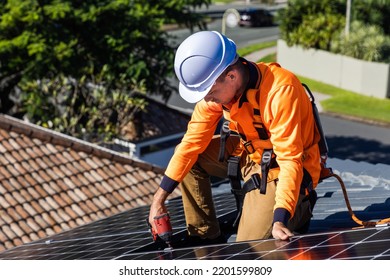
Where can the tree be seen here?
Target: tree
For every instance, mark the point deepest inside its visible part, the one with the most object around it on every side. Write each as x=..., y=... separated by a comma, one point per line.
x=365, y=42
x=373, y=12
x=311, y=23
x=116, y=44
x=320, y=24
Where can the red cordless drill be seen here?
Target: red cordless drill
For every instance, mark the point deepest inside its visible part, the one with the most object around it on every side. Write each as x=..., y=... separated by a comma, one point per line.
x=163, y=227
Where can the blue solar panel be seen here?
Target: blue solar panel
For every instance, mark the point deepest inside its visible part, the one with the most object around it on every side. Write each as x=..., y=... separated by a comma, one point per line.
x=126, y=236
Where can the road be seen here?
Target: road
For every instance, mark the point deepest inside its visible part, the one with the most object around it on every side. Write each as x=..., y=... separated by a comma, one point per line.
x=240, y=35
x=356, y=140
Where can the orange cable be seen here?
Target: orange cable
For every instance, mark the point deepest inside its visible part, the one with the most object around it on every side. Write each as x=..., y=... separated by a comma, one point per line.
x=356, y=219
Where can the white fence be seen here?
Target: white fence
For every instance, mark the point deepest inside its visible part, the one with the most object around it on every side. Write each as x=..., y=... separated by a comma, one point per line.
x=367, y=78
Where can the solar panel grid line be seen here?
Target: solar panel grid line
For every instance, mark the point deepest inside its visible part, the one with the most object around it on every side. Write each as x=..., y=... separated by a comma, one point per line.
x=385, y=254
x=339, y=247
x=350, y=247
x=126, y=236
x=239, y=254
x=307, y=249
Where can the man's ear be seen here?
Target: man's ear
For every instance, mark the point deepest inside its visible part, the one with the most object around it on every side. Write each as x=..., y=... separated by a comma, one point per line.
x=231, y=75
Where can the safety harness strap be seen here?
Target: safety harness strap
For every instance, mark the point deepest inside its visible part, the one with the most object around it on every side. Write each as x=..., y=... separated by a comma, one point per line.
x=326, y=172
x=234, y=175
x=265, y=165
x=225, y=133
x=234, y=172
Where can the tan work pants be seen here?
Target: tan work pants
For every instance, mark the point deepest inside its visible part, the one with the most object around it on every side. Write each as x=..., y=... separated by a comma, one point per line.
x=257, y=215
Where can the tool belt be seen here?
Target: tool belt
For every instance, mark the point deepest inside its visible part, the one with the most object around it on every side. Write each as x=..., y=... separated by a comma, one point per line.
x=260, y=182
x=268, y=162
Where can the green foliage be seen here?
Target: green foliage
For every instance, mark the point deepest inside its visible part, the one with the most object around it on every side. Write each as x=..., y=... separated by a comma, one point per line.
x=79, y=108
x=317, y=31
x=311, y=23
x=373, y=12
x=44, y=41
x=366, y=42
x=320, y=24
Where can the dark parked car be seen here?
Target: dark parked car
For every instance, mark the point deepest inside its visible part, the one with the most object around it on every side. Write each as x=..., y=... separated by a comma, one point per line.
x=255, y=17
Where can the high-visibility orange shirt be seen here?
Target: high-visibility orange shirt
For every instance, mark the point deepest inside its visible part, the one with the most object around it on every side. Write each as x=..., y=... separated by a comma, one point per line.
x=286, y=112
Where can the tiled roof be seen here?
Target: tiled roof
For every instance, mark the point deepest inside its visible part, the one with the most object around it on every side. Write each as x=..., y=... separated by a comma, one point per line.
x=50, y=182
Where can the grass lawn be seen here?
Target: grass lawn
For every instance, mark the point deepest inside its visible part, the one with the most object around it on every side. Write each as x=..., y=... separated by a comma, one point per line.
x=341, y=101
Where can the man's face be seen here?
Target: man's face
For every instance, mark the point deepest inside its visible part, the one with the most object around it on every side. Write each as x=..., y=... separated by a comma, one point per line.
x=223, y=91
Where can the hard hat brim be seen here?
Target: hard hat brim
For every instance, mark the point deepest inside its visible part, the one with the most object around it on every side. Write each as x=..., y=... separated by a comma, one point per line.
x=192, y=96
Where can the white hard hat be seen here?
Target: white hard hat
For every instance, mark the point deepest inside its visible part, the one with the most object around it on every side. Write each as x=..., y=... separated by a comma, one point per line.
x=200, y=60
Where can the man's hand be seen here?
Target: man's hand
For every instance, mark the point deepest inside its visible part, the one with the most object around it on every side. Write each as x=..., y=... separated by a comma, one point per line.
x=280, y=231
x=158, y=207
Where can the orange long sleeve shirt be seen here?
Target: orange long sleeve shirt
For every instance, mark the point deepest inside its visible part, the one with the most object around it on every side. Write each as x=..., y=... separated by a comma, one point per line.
x=287, y=116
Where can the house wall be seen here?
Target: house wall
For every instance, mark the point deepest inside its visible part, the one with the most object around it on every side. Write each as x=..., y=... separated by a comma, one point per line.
x=364, y=77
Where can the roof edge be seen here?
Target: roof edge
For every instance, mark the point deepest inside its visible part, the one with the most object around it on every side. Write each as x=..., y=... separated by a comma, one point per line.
x=47, y=135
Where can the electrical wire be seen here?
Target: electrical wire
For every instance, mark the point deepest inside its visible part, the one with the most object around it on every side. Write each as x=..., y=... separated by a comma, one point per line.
x=353, y=216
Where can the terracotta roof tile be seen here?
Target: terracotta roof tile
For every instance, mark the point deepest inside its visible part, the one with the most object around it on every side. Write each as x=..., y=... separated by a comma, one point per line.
x=124, y=194
x=74, y=212
x=52, y=202
x=7, y=146
x=41, y=191
x=67, y=199
x=8, y=186
x=10, y=199
x=27, y=197
x=88, y=207
x=51, y=182
x=25, y=181
x=37, y=207
x=59, y=200
x=56, y=217
x=17, y=156
x=8, y=232
x=33, y=225
x=36, y=151
x=43, y=203
x=33, y=236
x=50, y=231
x=31, y=211
x=3, y=202
x=32, y=164
x=55, y=188
x=34, y=194
x=105, y=186
x=119, y=198
x=2, y=148
x=90, y=191
x=26, y=229
x=105, y=201
x=19, y=198
x=73, y=196
x=22, y=212
x=48, y=219
x=17, y=230
x=82, y=179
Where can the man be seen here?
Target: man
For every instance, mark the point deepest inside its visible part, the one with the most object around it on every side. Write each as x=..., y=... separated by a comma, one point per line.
x=275, y=138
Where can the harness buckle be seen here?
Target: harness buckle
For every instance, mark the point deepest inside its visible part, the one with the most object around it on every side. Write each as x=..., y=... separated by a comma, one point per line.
x=249, y=147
